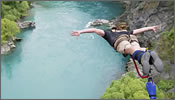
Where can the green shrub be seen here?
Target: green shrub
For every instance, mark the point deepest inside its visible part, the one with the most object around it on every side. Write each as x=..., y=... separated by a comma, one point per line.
x=130, y=87
x=14, y=8
x=166, y=45
x=165, y=85
x=8, y=29
x=11, y=11
x=10, y=17
x=167, y=68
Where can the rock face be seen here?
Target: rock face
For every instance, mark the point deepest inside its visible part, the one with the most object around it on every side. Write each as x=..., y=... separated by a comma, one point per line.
x=9, y=45
x=140, y=14
x=5, y=48
x=130, y=67
x=26, y=24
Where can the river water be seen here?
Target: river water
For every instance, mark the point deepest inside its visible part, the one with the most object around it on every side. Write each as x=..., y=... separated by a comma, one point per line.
x=50, y=63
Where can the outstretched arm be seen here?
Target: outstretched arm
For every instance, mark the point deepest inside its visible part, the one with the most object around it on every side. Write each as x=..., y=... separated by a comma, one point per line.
x=140, y=30
x=90, y=30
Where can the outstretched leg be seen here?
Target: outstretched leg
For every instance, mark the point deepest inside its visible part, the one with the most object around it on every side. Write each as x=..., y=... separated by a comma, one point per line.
x=157, y=62
x=125, y=47
x=141, y=56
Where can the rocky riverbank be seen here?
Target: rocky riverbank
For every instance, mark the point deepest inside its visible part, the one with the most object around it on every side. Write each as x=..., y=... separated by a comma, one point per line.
x=26, y=24
x=9, y=45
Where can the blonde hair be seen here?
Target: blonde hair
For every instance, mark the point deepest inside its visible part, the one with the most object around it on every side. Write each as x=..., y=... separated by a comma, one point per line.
x=122, y=26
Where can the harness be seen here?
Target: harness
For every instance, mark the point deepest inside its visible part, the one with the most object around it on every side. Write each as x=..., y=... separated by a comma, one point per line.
x=125, y=37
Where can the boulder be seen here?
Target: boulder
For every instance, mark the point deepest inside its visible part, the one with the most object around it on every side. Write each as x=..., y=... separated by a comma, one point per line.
x=26, y=24
x=99, y=22
x=6, y=47
x=11, y=44
x=171, y=90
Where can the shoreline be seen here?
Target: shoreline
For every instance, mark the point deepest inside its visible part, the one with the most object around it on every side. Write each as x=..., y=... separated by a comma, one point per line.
x=7, y=47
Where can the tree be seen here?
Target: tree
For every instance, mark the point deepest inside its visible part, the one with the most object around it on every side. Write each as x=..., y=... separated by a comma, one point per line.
x=11, y=11
x=129, y=87
x=9, y=29
x=23, y=7
x=14, y=9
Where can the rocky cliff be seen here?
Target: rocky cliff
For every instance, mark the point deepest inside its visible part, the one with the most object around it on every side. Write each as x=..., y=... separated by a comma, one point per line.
x=140, y=14
x=147, y=13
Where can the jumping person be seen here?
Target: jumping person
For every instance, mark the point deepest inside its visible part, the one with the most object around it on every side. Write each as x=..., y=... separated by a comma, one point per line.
x=127, y=43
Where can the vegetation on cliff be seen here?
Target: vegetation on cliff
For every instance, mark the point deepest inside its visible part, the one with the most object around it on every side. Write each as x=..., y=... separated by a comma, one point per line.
x=11, y=11
x=166, y=45
x=130, y=87
x=8, y=29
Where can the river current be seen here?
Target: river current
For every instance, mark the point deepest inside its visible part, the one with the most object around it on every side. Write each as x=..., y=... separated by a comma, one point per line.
x=51, y=64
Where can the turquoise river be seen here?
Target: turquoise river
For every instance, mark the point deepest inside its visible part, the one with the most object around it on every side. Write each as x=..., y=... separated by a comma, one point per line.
x=51, y=64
